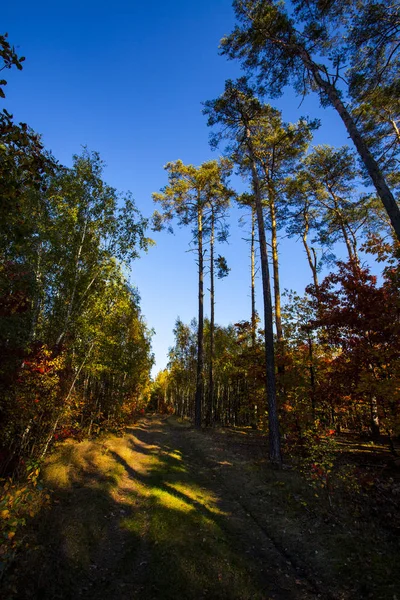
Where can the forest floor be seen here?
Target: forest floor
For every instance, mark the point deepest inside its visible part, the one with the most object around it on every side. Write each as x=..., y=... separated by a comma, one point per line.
x=168, y=512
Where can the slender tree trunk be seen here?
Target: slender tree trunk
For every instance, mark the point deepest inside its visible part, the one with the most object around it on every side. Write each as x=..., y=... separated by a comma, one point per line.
x=274, y=435
x=342, y=222
x=200, y=331
x=277, y=290
x=75, y=285
x=312, y=259
x=38, y=294
x=395, y=129
x=275, y=264
x=60, y=414
x=345, y=229
x=253, y=298
x=212, y=326
x=348, y=243
x=253, y=279
x=370, y=163
x=354, y=246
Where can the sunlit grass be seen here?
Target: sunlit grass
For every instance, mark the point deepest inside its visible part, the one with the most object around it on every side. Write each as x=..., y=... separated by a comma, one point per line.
x=175, y=454
x=169, y=500
x=141, y=503
x=73, y=460
x=190, y=550
x=198, y=495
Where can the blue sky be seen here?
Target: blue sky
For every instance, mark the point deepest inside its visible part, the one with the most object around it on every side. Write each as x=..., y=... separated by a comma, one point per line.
x=127, y=79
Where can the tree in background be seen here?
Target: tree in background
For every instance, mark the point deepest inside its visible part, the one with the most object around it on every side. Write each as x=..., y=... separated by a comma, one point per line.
x=218, y=203
x=247, y=200
x=191, y=197
x=303, y=217
x=278, y=148
x=239, y=373
x=71, y=326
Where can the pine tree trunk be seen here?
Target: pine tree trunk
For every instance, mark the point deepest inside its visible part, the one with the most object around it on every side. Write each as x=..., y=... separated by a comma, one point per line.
x=312, y=260
x=253, y=279
x=275, y=264
x=274, y=435
x=346, y=232
x=200, y=331
x=370, y=163
x=277, y=290
x=212, y=326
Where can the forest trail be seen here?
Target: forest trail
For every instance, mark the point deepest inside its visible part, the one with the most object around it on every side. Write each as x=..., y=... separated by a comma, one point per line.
x=196, y=538
x=169, y=512
x=160, y=513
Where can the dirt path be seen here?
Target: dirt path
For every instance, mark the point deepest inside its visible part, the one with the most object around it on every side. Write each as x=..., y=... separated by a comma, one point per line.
x=197, y=538
x=168, y=512
x=240, y=559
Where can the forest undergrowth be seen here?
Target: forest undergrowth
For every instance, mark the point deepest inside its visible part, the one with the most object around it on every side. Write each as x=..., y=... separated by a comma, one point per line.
x=167, y=511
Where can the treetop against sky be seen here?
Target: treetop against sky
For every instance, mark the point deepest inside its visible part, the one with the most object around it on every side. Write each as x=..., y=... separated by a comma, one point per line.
x=128, y=82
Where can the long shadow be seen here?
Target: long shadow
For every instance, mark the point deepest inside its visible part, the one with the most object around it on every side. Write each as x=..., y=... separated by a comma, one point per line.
x=69, y=544
x=84, y=547
x=170, y=468
x=154, y=480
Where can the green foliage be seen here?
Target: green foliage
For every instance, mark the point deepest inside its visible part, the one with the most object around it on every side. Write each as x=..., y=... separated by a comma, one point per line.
x=75, y=351
x=238, y=374
x=317, y=47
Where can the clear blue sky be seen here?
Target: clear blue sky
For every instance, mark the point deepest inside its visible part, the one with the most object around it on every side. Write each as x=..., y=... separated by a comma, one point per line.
x=127, y=79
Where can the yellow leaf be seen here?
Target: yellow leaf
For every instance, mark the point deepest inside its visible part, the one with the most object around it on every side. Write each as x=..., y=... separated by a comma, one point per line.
x=5, y=514
x=11, y=535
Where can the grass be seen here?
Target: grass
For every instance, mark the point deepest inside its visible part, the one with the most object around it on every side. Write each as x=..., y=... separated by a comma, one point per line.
x=144, y=515
x=126, y=507
x=190, y=552
x=351, y=550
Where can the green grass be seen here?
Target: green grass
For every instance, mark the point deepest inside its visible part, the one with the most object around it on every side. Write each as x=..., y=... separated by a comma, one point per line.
x=133, y=512
x=138, y=511
x=190, y=555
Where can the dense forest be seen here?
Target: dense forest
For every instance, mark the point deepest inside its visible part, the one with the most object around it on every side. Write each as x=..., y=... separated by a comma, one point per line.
x=303, y=366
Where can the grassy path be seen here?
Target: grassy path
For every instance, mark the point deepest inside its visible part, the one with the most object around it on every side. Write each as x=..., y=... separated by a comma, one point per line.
x=146, y=516
x=167, y=512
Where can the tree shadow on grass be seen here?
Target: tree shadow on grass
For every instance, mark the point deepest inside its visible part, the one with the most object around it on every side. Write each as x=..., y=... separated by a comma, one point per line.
x=192, y=522
x=142, y=526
